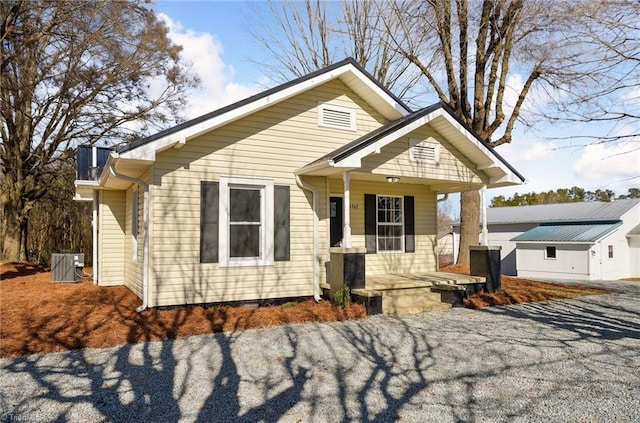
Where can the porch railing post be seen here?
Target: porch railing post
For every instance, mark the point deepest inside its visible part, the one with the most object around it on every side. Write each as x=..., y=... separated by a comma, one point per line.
x=346, y=241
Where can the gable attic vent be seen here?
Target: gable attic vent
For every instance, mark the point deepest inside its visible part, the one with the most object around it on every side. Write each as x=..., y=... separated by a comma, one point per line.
x=338, y=117
x=424, y=151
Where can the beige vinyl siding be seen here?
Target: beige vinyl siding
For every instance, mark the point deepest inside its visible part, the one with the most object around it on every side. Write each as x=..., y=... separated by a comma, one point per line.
x=426, y=234
x=394, y=159
x=269, y=144
x=133, y=267
x=111, y=238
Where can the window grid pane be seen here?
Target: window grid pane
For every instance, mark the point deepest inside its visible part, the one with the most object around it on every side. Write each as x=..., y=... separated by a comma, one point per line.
x=245, y=222
x=390, y=229
x=244, y=205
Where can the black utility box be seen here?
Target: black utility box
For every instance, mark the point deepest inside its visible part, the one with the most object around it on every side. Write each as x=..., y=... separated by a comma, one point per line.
x=485, y=261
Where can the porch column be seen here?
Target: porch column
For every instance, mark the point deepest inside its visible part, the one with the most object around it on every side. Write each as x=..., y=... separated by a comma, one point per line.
x=484, y=240
x=346, y=210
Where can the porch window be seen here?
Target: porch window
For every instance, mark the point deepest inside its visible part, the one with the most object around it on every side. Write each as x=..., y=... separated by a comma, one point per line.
x=390, y=235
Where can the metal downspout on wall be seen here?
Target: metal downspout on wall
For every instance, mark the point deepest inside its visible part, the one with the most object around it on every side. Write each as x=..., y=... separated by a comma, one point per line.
x=145, y=236
x=316, y=273
x=94, y=234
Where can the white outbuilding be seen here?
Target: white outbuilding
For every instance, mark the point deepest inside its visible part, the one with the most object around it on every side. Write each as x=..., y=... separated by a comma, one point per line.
x=591, y=241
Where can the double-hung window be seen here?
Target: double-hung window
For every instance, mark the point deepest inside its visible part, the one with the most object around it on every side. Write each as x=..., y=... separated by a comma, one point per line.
x=390, y=224
x=246, y=219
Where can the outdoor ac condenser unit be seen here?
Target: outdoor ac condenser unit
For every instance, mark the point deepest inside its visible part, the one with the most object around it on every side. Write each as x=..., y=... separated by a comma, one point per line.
x=66, y=267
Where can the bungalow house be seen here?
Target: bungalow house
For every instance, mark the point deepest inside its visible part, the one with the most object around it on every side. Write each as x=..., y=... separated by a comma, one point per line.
x=591, y=241
x=246, y=202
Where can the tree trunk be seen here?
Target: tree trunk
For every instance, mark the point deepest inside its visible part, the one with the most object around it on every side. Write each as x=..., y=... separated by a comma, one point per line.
x=469, y=224
x=12, y=233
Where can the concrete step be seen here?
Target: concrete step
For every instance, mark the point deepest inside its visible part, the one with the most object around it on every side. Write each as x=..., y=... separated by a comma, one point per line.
x=424, y=308
x=411, y=300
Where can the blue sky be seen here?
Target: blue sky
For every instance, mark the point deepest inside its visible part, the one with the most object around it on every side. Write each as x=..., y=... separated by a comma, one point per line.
x=217, y=42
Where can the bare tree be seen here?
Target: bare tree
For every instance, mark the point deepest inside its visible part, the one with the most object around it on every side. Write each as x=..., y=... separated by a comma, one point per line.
x=472, y=55
x=302, y=37
x=495, y=62
x=76, y=72
x=609, y=40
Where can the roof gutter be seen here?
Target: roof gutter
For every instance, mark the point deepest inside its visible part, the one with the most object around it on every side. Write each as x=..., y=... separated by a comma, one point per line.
x=145, y=233
x=316, y=270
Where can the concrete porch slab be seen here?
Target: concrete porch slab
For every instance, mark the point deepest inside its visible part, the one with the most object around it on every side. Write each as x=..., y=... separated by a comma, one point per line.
x=419, y=280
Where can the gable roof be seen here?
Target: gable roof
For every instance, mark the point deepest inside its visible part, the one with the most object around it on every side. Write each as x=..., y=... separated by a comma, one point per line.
x=348, y=70
x=443, y=118
x=581, y=232
x=563, y=212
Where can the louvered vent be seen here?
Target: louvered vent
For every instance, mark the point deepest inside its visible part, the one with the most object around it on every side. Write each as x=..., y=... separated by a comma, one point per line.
x=336, y=117
x=425, y=152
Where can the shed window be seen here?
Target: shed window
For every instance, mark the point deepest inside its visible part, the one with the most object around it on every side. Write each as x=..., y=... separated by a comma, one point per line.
x=550, y=253
x=390, y=224
x=610, y=251
x=338, y=117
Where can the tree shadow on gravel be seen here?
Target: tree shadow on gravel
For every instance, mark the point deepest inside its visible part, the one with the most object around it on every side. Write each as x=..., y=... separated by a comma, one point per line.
x=455, y=366
x=593, y=321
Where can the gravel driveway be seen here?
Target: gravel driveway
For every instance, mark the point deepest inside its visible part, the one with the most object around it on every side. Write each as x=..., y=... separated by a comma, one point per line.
x=574, y=360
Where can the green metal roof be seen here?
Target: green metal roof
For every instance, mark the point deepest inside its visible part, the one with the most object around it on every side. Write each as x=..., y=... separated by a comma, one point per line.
x=590, y=232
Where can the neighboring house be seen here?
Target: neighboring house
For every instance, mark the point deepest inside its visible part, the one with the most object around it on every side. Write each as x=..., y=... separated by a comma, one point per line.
x=446, y=246
x=245, y=202
x=593, y=240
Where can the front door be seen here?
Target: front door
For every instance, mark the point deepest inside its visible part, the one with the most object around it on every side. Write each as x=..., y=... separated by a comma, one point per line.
x=335, y=221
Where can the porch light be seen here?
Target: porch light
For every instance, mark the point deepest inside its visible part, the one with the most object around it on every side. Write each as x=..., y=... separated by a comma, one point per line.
x=393, y=179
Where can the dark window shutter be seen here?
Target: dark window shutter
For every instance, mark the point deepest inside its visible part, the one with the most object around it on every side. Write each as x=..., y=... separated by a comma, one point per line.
x=209, y=221
x=281, y=236
x=370, y=207
x=409, y=225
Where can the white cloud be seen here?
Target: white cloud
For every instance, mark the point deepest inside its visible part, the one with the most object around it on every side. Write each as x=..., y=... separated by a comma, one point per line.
x=204, y=52
x=538, y=150
x=610, y=164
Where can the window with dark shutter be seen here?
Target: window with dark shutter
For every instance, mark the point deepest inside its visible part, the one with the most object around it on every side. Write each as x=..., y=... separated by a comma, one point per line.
x=370, y=206
x=209, y=213
x=409, y=225
x=282, y=237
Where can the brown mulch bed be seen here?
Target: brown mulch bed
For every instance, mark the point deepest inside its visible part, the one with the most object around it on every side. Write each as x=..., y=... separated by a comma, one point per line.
x=516, y=290
x=38, y=316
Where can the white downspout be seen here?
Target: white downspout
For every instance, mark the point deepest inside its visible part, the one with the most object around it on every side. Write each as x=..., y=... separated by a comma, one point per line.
x=316, y=273
x=483, y=199
x=145, y=236
x=94, y=234
x=94, y=216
